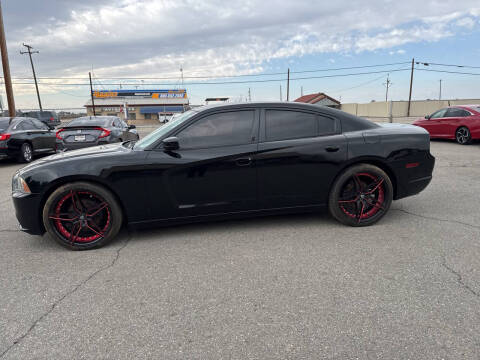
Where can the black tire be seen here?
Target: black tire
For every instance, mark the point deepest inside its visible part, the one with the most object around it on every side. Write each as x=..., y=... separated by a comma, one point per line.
x=69, y=223
x=361, y=195
x=26, y=153
x=463, y=135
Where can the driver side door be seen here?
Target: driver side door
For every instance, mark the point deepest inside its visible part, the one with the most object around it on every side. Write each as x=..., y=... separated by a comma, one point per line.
x=213, y=171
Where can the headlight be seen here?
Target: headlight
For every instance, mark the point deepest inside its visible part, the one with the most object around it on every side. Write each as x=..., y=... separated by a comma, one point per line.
x=19, y=185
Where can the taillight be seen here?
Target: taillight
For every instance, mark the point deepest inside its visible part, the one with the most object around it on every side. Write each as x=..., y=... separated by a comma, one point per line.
x=52, y=119
x=59, y=137
x=4, y=137
x=104, y=132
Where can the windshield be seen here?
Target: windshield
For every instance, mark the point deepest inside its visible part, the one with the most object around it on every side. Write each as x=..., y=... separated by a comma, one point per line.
x=162, y=130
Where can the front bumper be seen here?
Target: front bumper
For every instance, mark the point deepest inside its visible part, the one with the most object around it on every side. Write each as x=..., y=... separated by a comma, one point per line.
x=28, y=212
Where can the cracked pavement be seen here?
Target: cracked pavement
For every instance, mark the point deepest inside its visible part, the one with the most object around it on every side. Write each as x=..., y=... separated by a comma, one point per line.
x=299, y=286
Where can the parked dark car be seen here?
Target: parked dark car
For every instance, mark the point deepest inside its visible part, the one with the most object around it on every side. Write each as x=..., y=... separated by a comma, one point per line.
x=22, y=138
x=222, y=162
x=50, y=118
x=94, y=130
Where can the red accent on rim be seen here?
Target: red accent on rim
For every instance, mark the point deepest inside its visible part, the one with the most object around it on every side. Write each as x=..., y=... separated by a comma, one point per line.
x=371, y=205
x=85, y=229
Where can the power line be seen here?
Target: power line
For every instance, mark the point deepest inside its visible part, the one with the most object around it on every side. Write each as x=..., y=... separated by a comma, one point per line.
x=448, y=72
x=450, y=65
x=232, y=82
x=218, y=76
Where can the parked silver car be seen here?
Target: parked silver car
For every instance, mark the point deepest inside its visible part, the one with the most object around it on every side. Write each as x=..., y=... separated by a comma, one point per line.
x=94, y=130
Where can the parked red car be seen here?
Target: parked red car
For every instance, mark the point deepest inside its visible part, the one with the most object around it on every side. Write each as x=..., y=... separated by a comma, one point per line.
x=461, y=123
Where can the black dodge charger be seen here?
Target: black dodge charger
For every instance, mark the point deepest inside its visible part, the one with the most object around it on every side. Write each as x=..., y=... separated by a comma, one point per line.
x=221, y=162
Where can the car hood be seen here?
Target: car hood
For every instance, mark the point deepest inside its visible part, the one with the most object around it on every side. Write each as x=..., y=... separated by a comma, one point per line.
x=90, y=152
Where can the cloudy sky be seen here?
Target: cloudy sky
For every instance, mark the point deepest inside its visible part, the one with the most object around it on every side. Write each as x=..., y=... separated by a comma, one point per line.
x=119, y=39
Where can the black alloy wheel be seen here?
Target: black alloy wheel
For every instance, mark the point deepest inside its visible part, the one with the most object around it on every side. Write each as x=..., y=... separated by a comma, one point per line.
x=26, y=153
x=361, y=195
x=463, y=136
x=82, y=216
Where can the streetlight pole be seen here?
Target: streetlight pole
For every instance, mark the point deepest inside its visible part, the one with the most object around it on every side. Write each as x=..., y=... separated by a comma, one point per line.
x=6, y=68
x=30, y=52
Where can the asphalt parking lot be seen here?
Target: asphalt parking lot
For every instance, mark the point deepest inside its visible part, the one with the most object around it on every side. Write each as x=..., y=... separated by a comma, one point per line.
x=299, y=286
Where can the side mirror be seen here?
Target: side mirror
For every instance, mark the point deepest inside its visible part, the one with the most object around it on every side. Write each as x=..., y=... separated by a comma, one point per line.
x=131, y=127
x=427, y=117
x=171, y=143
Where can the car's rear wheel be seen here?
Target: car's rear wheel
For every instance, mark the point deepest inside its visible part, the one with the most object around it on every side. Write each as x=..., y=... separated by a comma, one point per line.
x=82, y=216
x=361, y=195
x=463, y=136
x=26, y=153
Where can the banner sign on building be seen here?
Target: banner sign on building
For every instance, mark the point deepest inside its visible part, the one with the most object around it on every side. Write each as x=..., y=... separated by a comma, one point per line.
x=155, y=94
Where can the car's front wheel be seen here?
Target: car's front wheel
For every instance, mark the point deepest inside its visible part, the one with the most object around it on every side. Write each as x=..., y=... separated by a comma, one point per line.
x=82, y=216
x=463, y=136
x=361, y=195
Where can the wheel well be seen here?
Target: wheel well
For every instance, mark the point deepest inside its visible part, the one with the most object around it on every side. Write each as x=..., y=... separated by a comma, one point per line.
x=379, y=164
x=64, y=181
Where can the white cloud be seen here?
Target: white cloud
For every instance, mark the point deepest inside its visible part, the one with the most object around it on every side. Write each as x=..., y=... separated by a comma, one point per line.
x=153, y=38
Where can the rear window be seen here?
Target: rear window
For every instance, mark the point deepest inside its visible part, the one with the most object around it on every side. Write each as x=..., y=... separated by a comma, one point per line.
x=90, y=121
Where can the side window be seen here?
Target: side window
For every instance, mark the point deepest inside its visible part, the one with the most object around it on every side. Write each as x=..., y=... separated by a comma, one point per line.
x=456, y=112
x=286, y=124
x=24, y=125
x=326, y=125
x=221, y=129
x=116, y=123
x=39, y=125
x=438, y=114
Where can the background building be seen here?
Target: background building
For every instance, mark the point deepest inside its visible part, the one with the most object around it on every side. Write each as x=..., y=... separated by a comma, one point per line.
x=319, y=99
x=143, y=106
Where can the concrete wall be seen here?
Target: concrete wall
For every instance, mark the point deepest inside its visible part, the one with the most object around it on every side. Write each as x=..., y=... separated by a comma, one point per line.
x=418, y=108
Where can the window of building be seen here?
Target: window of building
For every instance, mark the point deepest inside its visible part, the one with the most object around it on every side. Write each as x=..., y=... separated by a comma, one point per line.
x=287, y=124
x=132, y=116
x=148, y=116
x=221, y=129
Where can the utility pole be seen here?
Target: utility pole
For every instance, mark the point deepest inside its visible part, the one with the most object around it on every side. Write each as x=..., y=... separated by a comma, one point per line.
x=30, y=52
x=387, y=85
x=6, y=68
x=288, y=85
x=181, y=74
x=281, y=93
x=249, y=95
x=440, y=93
x=91, y=94
x=411, y=83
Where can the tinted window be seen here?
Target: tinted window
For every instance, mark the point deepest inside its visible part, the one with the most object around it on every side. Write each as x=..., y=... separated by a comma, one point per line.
x=438, y=114
x=4, y=124
x=102, y=121
x=39, y=125
x=226, y=128
x=284, y=124
x=456, y=112
x=326, y=125
x=23, y=125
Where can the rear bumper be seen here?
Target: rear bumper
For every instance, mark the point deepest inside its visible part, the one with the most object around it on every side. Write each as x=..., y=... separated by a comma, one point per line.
x=411, y=181
x=27, y=211
x=8, y=153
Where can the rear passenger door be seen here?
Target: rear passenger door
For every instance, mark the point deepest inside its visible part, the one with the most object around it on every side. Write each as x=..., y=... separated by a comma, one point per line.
x=299, y=155
x=46, y=136
x=454, y=118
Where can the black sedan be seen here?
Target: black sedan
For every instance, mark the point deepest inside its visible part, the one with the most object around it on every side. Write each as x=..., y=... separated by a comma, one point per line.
x=94, y=130
x=21, y=138
x=222, y=162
